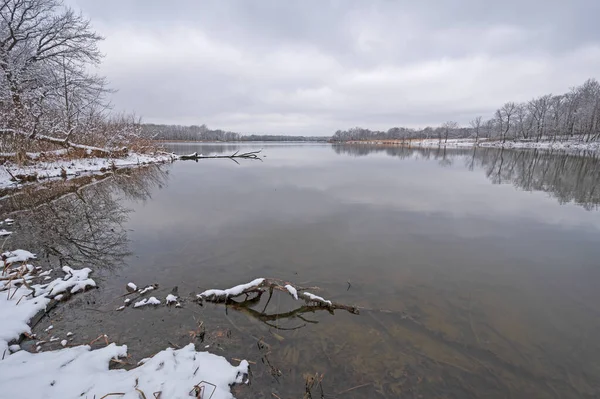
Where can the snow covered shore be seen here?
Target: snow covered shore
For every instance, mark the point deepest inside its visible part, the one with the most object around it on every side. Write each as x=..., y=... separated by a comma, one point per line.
x=78, y=371
x=65, y=168
x=566, y=145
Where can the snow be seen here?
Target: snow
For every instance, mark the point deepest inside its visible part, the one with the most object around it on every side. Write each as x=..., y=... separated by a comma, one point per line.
x=171, y=299
x=15, y=317
x=566, y=145
x=316, y=298
x=132, y=286
x=120, y=308
x=147, y=289
x=4, y=232
x=75, y=281
x=127, y=300
x=238, y=289
x=293, y=292
x=79, y=372
x=147, y=301
x=75, y=167
x=18, y=255
x=21, y=305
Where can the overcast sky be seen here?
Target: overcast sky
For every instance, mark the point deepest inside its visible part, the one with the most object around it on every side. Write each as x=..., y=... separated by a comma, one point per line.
x=312, y=67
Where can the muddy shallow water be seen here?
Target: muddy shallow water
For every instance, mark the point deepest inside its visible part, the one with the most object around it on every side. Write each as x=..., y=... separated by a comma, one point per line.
x=476, y=270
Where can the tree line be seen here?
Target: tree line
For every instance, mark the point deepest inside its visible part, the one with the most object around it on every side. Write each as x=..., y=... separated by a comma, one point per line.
x=574, y=115
x=203, y=133
x=49, y=95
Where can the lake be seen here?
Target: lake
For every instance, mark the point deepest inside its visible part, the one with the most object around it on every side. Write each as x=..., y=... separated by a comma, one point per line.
x=476, y=270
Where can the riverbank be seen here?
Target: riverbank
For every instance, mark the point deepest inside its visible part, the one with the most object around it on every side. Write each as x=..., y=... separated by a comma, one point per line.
x=567, y=145
x=61, y=367
x=14, y=175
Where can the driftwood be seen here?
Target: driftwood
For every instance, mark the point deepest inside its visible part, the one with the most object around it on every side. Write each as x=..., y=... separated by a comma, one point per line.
x=246, y=155
x=262, y=285
x=68, y=144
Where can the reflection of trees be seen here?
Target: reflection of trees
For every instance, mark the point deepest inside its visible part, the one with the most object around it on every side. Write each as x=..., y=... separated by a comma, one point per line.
x=81, y=224
x=567, y=176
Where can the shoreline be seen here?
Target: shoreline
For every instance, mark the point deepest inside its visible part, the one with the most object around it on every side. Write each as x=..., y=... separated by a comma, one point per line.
x=62, y=366
x=14, y=176
x=567, y=145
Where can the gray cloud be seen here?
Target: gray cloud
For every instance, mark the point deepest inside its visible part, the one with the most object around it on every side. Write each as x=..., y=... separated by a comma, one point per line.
x=312, y=67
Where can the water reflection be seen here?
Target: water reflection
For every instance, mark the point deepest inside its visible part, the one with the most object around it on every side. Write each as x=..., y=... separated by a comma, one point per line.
x=473, y=289
x=567, y=176
x=80, y=222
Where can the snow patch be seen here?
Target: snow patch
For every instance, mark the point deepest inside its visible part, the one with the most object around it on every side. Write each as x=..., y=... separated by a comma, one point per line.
x=147, y=289
x=171, y=299
x=293, y=292
x=233, y=291
x=18, y=255
x=73, y=282
x=316, y=298
x=79, y=372
x=147, y=301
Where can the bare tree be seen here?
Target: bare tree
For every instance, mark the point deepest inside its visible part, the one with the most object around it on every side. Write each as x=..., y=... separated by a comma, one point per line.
x=47, y=92
x=476, y=125
x=537, y=108
x=504, y=116
x=448, y=127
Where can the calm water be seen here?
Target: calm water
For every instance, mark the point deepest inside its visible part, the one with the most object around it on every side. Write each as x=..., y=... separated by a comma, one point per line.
x=478, y=269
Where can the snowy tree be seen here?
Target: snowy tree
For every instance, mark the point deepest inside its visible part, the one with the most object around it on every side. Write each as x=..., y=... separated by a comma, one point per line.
x=47, y=92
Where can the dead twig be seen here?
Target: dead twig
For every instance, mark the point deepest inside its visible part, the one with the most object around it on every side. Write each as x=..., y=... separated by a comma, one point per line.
x=141, y=393
x=113, y=394
x=199, y=389
x=353, y=388
x=99, y=338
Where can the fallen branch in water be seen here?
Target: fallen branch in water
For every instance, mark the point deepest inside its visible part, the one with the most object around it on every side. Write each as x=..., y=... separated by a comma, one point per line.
x=261, y=285
x=246, y=155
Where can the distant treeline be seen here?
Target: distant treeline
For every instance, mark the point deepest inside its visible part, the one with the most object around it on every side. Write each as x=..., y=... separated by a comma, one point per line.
x=573, y=115
x=203, y=133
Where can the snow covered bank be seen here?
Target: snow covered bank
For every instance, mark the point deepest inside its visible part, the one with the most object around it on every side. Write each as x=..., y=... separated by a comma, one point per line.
x=83, y=373
x=65, y=168
x=78, y=371
x=24, y=293
x=566, y=145
x=572, y=145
